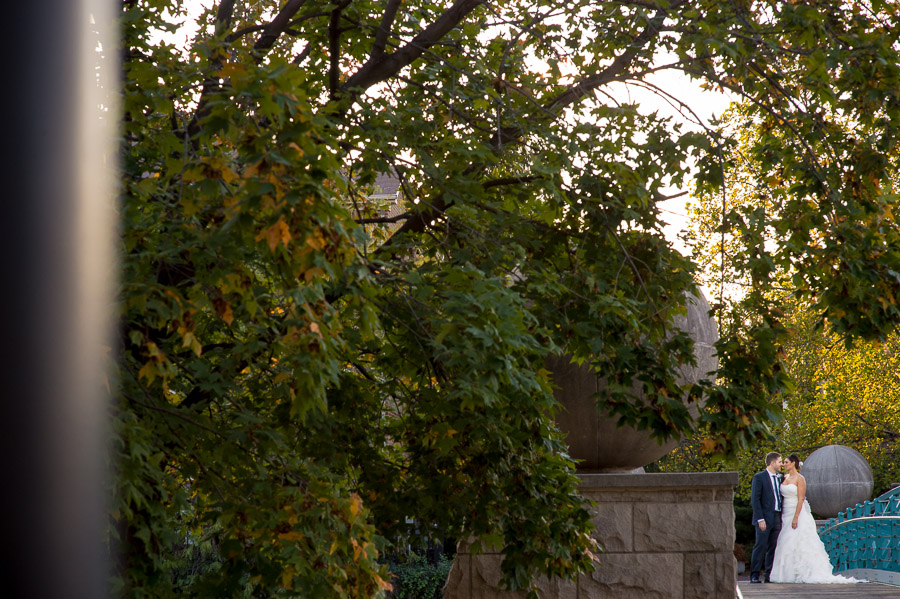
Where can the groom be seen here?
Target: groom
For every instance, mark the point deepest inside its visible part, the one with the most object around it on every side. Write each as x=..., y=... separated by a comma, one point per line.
x=765, y=496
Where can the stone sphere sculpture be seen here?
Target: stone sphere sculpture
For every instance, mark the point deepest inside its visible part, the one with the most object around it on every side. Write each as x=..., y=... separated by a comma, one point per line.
x=595, y=441
x=837, y=477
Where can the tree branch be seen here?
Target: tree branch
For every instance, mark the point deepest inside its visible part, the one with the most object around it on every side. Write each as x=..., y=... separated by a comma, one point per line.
x=223, y=16
x=382, y=219
x=384, y=29
x=253, y=28
x=174, y=413
x=884, y=433
x=303, y=54
x=379, y=68
x=278, y=25
x=334, y=49
x=581, y=88
x=211, y=81
x=242, y=32
x=417, y=221
x=510, y=181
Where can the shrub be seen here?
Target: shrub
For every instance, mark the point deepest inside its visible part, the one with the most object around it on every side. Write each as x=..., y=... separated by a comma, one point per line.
x=418, y=579
x=744, y=531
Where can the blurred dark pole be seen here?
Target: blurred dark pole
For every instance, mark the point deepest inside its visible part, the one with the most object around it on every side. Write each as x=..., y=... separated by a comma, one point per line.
x=57, y=264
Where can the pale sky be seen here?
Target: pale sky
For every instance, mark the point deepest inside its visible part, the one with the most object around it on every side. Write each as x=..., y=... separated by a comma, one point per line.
x=705, y=103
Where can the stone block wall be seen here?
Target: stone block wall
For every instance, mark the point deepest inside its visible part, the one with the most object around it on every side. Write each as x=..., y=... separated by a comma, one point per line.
x=664, y=535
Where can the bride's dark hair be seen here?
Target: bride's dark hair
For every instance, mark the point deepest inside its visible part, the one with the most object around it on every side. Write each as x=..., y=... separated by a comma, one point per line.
x=795, y=460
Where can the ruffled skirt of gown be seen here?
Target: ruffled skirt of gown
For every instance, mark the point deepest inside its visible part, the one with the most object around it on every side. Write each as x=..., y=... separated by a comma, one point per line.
x=800, y=555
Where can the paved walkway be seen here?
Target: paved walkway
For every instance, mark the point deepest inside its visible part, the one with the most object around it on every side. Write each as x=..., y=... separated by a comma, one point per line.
x=863, y=590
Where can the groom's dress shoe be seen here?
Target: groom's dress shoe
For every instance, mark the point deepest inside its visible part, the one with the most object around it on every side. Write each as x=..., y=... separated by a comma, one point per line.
x=755, y=579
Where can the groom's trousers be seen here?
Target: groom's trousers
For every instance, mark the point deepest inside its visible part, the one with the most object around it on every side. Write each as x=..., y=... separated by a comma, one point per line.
x=763, y=555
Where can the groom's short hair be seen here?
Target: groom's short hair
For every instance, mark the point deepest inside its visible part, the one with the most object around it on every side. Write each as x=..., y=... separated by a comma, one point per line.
x=771, y=457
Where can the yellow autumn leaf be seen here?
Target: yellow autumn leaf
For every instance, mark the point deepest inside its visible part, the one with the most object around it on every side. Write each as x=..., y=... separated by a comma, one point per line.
x=290, y=536
x=228, y=175
x=152, y=350
x=277, y=233
x=383, y=584
x=296, y=148
x=192, y=174
x=287, y=577
x=356, y=503
x=223, y=309
x=253, y=169
x=316, y=241
x=189, y=340
x=147, y=372
x=312, y=273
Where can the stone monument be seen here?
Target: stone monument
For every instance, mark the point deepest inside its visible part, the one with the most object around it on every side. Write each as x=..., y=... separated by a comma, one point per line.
x=837, y=477
x=664, y=535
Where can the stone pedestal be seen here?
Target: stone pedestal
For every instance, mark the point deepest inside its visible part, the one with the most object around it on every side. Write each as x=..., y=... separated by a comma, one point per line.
x=666, y=536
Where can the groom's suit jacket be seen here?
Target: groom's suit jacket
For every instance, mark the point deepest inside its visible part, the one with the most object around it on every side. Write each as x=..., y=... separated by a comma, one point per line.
x=762, y=498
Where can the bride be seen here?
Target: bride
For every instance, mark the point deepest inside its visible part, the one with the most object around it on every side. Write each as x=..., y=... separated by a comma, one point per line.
x=800, y=555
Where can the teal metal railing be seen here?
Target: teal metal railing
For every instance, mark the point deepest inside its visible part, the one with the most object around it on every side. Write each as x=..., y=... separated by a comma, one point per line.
x=866, y=535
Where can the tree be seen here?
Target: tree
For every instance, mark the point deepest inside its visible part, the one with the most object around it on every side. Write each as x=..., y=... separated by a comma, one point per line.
x=299, y=374
x=845, y=396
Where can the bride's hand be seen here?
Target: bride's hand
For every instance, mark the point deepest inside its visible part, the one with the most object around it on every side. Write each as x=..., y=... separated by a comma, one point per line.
x=793, y=524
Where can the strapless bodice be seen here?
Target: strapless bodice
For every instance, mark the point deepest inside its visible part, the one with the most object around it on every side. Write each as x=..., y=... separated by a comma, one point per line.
x=789, y=490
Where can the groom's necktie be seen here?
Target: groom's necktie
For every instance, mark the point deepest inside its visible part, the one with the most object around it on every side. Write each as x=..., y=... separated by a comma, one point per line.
x=777, y=492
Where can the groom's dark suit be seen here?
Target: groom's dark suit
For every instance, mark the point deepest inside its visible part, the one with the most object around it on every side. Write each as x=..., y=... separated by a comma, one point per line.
x=762, y=497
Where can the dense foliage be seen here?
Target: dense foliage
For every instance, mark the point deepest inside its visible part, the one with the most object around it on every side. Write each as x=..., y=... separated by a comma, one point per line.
x=301, y=374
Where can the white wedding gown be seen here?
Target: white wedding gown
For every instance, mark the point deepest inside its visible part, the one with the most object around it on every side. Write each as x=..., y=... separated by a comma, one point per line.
x=800, y=555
